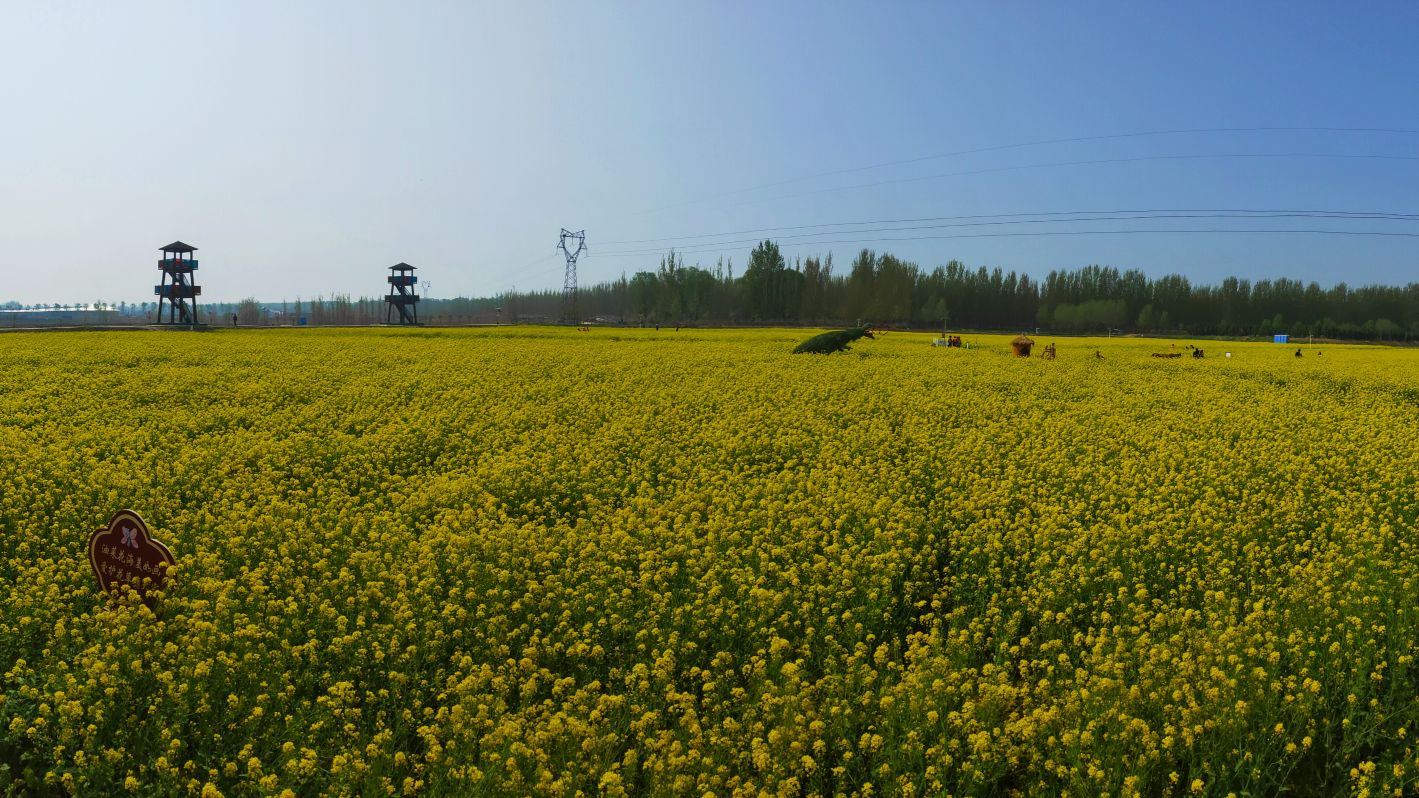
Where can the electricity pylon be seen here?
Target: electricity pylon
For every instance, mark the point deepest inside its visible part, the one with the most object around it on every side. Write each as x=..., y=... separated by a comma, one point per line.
x=572, y=244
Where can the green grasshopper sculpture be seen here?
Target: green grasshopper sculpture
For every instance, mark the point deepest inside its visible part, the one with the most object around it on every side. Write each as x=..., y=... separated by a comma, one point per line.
x=835, y=341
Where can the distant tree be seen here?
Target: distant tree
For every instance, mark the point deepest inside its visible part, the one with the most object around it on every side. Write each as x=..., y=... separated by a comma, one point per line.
x=817, y=288
x=696, y=291
x=621, y=298
x=764, y=282
x=892, y=294
x=1146, y=320
x=1044, y=316
x=1093, y=298
x=644, y=290
x=249, y=311
x=861, y=286
x=939, y=310
x=670, y=292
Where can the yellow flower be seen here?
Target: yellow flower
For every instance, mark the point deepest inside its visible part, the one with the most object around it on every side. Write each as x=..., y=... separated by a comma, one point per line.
x=531, y=561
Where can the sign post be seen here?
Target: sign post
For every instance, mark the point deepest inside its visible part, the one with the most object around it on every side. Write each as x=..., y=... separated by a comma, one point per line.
x=126, y=553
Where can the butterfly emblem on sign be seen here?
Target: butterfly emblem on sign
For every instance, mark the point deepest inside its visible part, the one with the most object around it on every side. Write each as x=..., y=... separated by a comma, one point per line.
x=126, y=553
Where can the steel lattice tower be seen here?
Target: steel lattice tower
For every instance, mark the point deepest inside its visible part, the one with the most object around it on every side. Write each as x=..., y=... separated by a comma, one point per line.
x=570, y=311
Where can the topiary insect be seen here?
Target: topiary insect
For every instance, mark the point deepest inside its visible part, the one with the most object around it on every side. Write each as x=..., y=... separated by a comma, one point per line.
x=835, y=341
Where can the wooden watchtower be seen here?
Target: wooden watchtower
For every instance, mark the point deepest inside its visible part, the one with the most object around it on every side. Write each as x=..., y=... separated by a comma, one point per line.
x=402, y=297
x=178, y=291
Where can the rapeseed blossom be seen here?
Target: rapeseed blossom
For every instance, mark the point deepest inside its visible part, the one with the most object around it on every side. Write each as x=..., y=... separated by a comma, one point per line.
x=539, y=562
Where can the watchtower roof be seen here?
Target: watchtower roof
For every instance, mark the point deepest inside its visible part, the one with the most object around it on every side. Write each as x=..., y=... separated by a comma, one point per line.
x=178, y=246
x=401, y=267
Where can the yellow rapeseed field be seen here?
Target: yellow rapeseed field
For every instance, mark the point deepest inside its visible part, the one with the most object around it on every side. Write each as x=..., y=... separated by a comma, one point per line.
x=548, y=562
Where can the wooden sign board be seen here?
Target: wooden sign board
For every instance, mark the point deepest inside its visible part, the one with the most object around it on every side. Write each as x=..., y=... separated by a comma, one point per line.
x=126, y=553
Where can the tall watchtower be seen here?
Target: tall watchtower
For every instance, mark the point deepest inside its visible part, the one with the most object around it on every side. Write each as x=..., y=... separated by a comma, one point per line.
x=402, y=297
x=178, y=291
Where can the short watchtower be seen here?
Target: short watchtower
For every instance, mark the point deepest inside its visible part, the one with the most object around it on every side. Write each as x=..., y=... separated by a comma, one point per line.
x=178, y=291
x=401, y=296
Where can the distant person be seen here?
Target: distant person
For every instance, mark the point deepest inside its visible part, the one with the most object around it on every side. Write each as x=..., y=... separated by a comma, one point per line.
x=234, y=319
x=1298, y=353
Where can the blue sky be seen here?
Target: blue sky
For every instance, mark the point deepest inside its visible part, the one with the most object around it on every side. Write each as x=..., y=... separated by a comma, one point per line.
x=306, y=146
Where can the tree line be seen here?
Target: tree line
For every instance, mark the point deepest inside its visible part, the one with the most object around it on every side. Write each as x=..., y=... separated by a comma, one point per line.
x=884, y=289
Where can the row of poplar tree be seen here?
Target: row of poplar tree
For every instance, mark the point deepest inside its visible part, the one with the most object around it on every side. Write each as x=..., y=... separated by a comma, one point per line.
x=883, y=289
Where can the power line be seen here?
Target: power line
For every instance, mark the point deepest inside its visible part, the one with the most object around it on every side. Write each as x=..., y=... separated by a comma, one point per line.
x=1041, y=143
x=695, y=243
x=518, y=270
x=1040, y=233
x=702, y=246
x=1243, y=213
x=1087, y=162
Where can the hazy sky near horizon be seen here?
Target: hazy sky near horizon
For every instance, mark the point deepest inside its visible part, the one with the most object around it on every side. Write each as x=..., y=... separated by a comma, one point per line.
x=306, y=146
